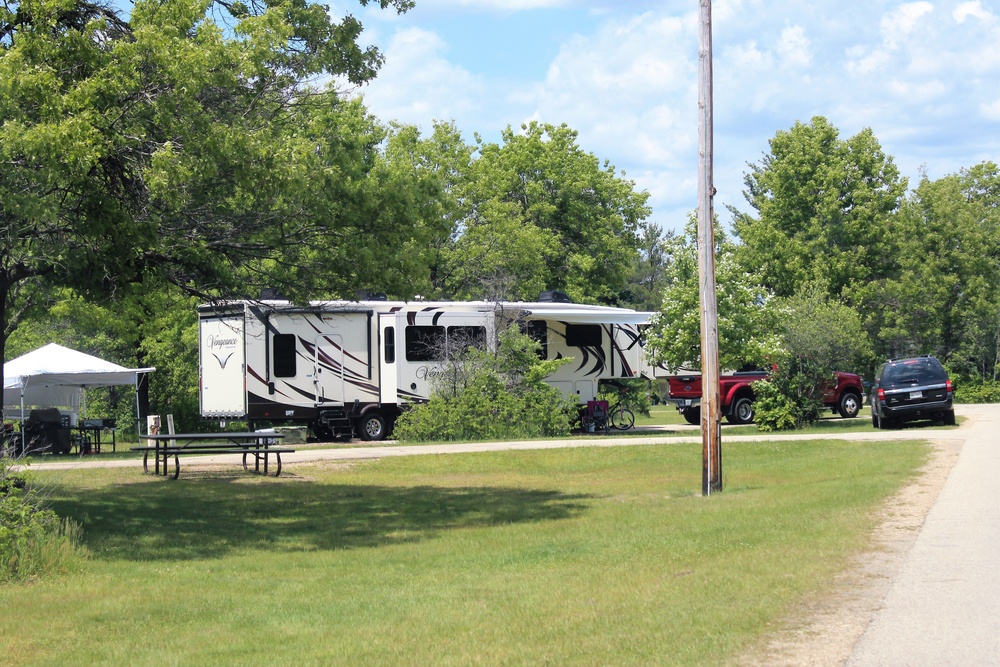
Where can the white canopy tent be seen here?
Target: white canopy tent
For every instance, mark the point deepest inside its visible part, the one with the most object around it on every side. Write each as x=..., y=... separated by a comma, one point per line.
x=55, y=376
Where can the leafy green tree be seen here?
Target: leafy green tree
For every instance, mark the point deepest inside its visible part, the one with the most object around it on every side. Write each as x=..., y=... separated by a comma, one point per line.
x=745, y=319
x=814, y=326
x=787, y=399
x=818, y=335
x=184, y=145
x=645, y=287
x=824, y=207
x=499, y=256
x=442, y=162
x=945, y=299
x=366, y=210
x=540, y=213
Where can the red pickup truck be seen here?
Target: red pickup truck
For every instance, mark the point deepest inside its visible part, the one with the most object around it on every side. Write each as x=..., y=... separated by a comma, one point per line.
x=736, y=391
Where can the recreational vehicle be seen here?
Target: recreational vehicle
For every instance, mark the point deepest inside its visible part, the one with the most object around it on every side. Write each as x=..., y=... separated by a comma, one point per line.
x=349, y=367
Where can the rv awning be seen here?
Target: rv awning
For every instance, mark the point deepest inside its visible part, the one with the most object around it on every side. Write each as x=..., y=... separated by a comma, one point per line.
x=54, y=375
x=585, y=315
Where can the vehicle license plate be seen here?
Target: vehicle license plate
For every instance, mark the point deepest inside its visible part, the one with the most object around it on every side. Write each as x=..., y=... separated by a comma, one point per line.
x=916, y=394
x=687, y=402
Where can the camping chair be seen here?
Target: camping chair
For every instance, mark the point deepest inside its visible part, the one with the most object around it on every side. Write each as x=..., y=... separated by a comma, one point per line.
x=596, y=417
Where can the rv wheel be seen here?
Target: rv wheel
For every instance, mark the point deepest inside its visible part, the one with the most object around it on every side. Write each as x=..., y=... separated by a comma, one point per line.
x=372, y=426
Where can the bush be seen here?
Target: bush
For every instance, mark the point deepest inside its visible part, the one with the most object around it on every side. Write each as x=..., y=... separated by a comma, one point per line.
x=817, y=335
x=484, y=395
x=33, y=540
x=986, y=392
x=787, y=401
x=486, y=411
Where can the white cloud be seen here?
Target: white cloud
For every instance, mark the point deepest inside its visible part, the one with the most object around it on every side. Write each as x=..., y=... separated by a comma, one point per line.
x=418, y=82
x=614, y=87
x=973, y=10
x=918, y=91
x=896, y=29
x=903, y=21
x=748, y=56
x=863, y=63
x=794, y=47
x=991, y=111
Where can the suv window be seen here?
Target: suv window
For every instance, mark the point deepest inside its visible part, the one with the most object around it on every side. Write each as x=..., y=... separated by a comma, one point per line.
x=921, y=371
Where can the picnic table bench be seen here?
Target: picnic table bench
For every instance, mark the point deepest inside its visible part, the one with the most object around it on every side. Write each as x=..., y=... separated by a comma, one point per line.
x=255, y=444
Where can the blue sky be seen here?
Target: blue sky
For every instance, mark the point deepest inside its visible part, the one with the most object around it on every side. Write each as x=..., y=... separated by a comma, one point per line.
x=925, y=76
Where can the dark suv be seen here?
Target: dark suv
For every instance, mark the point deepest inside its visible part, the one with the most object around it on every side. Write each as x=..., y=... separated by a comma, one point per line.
x=911, y=389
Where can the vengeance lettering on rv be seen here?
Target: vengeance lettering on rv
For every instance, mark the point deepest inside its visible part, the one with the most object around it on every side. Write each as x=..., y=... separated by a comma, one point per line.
x=216, y=342
x=428, y=372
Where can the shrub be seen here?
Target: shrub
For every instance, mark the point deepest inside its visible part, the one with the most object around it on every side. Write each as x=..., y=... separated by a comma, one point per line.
x=483, y=395
x=985, y=392
x=486, y=411
x=33, y=540
x=787, y=401
x=817, y=334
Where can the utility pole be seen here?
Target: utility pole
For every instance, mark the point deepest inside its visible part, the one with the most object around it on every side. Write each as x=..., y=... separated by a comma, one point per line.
x=711, y=414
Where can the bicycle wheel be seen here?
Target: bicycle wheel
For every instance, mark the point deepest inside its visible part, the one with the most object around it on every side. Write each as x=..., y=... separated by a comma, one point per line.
x=622, y=419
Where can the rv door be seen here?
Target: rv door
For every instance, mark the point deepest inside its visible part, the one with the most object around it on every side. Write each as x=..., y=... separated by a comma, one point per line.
x=328, y=368
x=389, y=348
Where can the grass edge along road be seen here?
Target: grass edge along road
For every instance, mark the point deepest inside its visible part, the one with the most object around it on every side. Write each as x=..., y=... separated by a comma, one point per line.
x=565, y=556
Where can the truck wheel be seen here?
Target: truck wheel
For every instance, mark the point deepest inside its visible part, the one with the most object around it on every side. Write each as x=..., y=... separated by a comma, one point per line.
x=692, y=415
x=373, y=426
x=742, y=412
x=850, y=405
x=883, y=422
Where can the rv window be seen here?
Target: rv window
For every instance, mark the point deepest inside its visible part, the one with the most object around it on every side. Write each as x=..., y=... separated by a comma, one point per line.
x=283, y=347
x=390, y=345
x=583, y=335
x=424, y=343
x=538, y=331
x=462, y=338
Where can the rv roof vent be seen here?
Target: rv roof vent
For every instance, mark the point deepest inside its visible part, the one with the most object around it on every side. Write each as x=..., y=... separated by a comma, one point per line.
x=554, y=296
x=367, y=295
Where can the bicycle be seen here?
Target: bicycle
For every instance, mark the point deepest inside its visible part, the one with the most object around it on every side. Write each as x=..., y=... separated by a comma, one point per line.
x=621, y=417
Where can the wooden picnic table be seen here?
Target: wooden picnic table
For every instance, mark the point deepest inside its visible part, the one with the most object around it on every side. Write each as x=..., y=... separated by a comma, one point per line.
x=249, y=443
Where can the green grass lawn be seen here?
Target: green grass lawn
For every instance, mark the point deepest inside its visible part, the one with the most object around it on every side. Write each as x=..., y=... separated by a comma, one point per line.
x=591, y=556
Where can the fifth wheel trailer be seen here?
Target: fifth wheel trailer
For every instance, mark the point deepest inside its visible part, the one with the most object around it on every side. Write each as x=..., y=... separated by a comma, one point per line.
x=349, y=367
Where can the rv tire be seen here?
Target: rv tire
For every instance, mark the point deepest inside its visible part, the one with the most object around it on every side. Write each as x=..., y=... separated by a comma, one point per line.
x=373, y=426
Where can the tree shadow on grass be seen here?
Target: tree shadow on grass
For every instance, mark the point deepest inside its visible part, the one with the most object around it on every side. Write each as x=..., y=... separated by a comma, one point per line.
x=209, y=518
